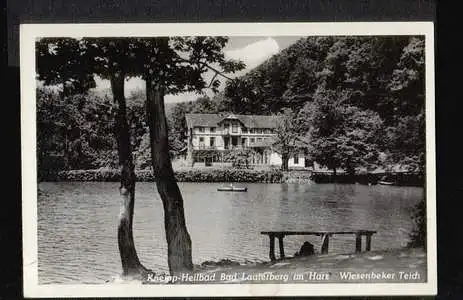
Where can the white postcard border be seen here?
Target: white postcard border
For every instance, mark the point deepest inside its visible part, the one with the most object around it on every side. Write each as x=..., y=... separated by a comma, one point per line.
x=28, y=35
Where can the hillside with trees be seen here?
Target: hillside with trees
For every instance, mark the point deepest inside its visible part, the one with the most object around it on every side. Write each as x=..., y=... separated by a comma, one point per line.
x=361, y=98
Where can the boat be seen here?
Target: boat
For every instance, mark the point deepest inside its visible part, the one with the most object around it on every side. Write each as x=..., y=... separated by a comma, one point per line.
x=386, y=182
x=232, y=188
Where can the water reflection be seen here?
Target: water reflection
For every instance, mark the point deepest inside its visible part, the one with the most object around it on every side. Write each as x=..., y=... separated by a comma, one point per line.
x=77, y=223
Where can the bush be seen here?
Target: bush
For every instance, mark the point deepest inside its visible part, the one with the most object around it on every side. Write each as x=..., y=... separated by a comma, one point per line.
x=187, y=175
x=418, y=235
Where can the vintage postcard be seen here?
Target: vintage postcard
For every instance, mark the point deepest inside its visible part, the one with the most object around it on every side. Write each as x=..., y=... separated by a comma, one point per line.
x=228, y=159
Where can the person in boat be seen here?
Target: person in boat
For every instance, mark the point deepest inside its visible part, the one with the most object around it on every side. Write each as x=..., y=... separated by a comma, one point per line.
x=307, y=249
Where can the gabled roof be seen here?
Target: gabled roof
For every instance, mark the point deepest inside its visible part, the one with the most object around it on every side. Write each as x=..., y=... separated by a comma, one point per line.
x=249, y=121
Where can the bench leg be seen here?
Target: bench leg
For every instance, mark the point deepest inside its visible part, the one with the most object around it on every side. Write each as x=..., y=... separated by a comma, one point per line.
x=325, y=243
x=272, y=247
x=358, y=243
x=368, y=241
x=282, y=249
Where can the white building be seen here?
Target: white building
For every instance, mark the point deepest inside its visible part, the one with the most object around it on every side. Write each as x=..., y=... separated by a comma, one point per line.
x=210, y=136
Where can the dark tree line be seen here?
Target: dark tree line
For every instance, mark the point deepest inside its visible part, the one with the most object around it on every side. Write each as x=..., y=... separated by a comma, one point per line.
x=362, y=98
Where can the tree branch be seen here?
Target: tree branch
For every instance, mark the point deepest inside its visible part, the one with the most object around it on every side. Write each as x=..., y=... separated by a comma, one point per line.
x=212, y=80
x=217, y=72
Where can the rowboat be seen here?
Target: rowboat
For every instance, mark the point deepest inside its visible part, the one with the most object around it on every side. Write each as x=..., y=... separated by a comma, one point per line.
x=386, y=182
x=232, y=189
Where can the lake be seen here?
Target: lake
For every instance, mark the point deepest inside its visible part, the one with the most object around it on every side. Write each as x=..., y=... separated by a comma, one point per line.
x=77, y=223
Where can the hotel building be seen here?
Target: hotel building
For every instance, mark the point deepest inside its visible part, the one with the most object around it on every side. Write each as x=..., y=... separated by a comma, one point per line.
x=209, y=136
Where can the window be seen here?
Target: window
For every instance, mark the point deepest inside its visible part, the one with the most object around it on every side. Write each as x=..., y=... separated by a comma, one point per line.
x=234, y=127
x=201, y=140
x=251, y=130
x=244, y=130
x=259, y=139
x=212, y=142
x=200, y=129
x=296, y=159
x=212, y=129
x=243, y=142
x=252, y=140
x=258, y=131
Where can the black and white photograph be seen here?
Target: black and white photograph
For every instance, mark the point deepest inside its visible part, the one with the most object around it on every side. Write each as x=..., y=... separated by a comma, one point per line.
x=228, y=159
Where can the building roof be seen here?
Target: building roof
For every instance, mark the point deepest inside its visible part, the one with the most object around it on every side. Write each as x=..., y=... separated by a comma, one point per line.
x=212, y=120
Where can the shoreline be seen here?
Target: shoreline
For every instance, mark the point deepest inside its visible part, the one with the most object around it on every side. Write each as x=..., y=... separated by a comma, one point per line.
x=404, y=265
x=269, y=175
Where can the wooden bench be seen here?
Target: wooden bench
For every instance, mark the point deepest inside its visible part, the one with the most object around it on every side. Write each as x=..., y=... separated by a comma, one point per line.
x=325, y=239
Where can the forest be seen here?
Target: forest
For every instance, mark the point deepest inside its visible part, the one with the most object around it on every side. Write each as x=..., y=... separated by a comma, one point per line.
x=359, y=102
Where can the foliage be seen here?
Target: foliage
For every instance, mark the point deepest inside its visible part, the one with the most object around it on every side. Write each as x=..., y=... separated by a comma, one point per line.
x=342, y=136
x=74, y=133
x=188, y=175
x=285, y=80
x=63, y=62
x=363, y=96
x=406, y=131
x=240, y=158
x=418, y=235
x=289, y=131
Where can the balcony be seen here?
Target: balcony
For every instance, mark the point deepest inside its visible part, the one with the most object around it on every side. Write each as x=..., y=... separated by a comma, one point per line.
x=227, y=131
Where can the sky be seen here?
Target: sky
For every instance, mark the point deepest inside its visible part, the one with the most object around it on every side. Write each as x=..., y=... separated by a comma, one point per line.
x=251, y=50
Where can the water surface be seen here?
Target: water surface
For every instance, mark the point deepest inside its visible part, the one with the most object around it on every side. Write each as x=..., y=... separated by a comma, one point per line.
x=77, y=223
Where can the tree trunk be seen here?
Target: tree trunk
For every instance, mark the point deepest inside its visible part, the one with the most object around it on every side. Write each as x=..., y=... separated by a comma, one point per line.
x=350, y=171
x=131, y=265
x=284, y=161
x=178, y=239
x=190, y=147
